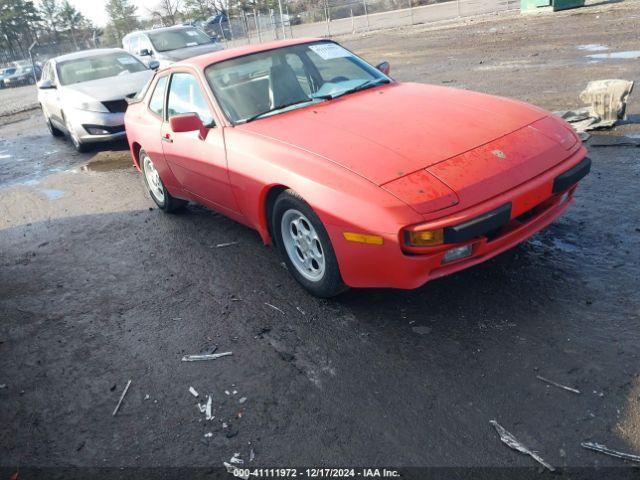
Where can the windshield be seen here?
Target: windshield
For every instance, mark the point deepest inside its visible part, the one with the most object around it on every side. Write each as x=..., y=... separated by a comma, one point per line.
x=100, y=66
x=10, y=71
x=166, y=40
x=282, y=79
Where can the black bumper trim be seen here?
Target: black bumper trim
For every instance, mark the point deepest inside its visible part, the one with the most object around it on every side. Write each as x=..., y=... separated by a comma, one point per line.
x=572, y=176
x=478, y=226
x=109, y=128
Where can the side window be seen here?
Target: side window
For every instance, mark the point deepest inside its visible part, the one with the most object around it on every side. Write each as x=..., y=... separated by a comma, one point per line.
x=133, y=44
x=46, y=72
x=144, y=43
x=156, y=104
x=185, y=96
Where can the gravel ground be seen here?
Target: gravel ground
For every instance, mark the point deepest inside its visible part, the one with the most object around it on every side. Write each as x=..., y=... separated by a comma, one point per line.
x=18, y=99
x=98, y=287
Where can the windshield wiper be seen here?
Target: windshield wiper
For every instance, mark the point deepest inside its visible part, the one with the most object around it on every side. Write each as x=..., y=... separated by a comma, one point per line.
x=275, y=109
x=363, y=86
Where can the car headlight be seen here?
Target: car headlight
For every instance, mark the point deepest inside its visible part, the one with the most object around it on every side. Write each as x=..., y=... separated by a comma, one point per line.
x=90, y=106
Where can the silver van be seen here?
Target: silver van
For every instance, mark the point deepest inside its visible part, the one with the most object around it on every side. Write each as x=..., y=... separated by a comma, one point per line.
x=169, y=44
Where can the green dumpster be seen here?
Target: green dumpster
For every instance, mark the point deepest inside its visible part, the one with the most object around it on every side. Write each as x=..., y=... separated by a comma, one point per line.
x=549, y=5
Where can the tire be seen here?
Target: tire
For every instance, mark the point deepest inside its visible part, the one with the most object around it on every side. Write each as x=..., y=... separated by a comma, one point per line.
x=77, y=144
x=156, y=188
x=305, y=246
x=52, y=129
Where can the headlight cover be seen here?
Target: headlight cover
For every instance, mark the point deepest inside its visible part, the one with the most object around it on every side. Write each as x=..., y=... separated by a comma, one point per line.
x=89, y=106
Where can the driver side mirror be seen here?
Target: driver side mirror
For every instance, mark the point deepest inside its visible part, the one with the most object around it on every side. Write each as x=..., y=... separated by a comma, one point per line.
x=154, y=65
x=188, y=122
x=145, y=52
x=46, y=85
x=384, y=67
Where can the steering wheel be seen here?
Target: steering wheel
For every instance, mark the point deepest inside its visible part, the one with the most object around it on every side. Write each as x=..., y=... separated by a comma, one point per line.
x=340, y=78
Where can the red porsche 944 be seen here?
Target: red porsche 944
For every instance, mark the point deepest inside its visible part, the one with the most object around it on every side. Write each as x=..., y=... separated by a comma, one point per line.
x=358, y=179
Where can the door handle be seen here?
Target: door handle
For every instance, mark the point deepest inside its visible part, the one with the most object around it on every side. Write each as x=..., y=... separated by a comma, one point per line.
x=167, y=138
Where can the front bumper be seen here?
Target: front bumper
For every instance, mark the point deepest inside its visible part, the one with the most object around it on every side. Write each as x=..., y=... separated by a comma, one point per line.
x=14, y=82
x=532, y=207
x=82, y=120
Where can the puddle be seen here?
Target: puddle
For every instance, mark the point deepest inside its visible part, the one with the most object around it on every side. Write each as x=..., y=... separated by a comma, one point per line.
x=108, y=163
x=554, y=244
x=593, y=47
x=629, y=54
x=51, y=193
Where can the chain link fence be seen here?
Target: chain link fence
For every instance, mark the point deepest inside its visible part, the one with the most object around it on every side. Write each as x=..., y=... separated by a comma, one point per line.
x=342, y=17
x=39, y=52
x=324, y=18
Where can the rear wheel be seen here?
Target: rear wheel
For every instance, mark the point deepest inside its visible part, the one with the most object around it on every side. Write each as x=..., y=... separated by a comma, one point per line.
x=305, y=246
x=156, y=188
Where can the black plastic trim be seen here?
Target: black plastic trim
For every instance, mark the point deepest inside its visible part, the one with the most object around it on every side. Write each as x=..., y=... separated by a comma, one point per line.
x=108, y=128
x=478, y=226
x=572, y=176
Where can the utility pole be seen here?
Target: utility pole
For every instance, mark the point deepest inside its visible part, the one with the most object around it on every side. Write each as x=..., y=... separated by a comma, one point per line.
x=366, y=14
x=256, y=17
x=284, y=32
x=327, y=14
x=33, y=64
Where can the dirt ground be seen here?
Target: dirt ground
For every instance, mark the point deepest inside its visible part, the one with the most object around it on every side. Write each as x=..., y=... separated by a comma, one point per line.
x=16, y=100
x=97, y=287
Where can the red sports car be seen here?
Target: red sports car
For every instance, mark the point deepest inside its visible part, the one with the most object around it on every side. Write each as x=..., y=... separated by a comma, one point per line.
x=358, y=179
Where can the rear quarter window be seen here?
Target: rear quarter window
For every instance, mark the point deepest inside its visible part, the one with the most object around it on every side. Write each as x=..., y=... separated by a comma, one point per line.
x=156, y=103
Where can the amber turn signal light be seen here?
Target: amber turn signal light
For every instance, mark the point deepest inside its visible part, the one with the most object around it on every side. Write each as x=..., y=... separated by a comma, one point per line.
x=425, y=238
x=363, y=238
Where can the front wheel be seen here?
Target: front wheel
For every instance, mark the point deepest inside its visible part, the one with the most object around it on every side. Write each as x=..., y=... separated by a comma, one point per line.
x=305, y=246
x=156, y=188
x=73, y=136
x=52, y=129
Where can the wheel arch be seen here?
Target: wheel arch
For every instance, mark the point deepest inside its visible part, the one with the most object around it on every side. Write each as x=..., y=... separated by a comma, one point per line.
x=135, y=153
x=267, y=200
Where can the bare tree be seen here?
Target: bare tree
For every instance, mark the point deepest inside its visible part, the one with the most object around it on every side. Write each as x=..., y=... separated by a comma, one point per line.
x=169, y=10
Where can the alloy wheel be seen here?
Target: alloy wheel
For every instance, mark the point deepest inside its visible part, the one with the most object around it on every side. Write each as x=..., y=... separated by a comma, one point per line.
x=303, y=245
x=153, y=179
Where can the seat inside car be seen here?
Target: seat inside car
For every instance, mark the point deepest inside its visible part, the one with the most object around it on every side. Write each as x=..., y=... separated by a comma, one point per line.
x=284, y=87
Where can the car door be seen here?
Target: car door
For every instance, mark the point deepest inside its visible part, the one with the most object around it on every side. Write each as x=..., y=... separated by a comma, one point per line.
x=199, y=164
x=148, y=128
x=49, y=97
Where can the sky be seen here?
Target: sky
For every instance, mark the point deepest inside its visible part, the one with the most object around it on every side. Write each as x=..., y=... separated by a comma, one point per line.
x=94, y=9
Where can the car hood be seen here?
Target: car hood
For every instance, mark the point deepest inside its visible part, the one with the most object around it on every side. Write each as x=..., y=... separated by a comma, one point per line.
x=388, y=132
x=188, y=52
x=111, y=88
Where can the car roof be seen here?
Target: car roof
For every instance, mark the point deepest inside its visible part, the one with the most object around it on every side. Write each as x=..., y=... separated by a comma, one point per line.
x=161, y=29
x=95, y=52
x=202, y=61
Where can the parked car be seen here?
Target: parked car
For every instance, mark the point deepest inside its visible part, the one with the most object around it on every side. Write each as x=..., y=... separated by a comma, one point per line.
x=2, y=74
x=218, y=26
x=358, y=179
x=169, y=45
x=20, y=74
x=85, y=94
